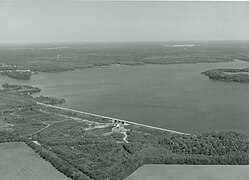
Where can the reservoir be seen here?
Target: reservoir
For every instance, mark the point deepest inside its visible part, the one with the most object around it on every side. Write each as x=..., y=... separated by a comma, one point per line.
x=176, y=96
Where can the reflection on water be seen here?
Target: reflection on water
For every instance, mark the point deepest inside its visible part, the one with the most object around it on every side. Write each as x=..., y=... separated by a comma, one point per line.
x=177, y=96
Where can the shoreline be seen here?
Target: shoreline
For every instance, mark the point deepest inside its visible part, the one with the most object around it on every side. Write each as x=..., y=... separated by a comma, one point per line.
x=144, y=64
x=140, y=63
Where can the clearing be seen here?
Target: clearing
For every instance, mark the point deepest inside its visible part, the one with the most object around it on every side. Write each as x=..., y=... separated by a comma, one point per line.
x=190, y=172
x=20, y=162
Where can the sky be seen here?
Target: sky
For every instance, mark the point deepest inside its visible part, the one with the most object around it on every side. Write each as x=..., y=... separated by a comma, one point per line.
x=78, y=21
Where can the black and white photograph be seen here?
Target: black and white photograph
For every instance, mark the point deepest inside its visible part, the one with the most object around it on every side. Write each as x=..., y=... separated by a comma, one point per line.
x=124, y=90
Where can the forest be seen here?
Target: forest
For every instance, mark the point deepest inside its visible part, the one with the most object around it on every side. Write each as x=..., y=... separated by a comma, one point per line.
x=87, y=55
x=89, y=158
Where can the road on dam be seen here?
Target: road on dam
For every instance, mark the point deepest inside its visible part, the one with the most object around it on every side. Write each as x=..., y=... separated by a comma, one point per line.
x=113, y=119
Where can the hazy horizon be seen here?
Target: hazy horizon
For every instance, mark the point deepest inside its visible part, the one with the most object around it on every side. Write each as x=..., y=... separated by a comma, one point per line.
x=30, y=22
x=118, y=42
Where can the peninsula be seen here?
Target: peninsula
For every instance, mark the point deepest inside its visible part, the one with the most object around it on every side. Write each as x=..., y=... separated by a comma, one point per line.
x=226, y=74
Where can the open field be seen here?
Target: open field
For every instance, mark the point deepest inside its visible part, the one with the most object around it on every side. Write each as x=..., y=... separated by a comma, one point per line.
x=190, y=172
x=20, y=162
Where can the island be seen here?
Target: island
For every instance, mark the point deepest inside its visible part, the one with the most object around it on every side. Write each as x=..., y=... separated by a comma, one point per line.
x=229, y=74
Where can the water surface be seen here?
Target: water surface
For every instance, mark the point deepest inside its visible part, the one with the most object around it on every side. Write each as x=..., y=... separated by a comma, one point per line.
x=176, y=97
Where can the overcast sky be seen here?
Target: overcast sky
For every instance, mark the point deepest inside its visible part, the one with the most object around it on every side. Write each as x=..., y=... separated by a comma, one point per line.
x=22, y=22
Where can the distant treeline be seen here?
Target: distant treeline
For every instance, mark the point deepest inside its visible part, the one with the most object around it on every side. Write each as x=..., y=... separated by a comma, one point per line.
x=47, y=66
x=129, y=53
